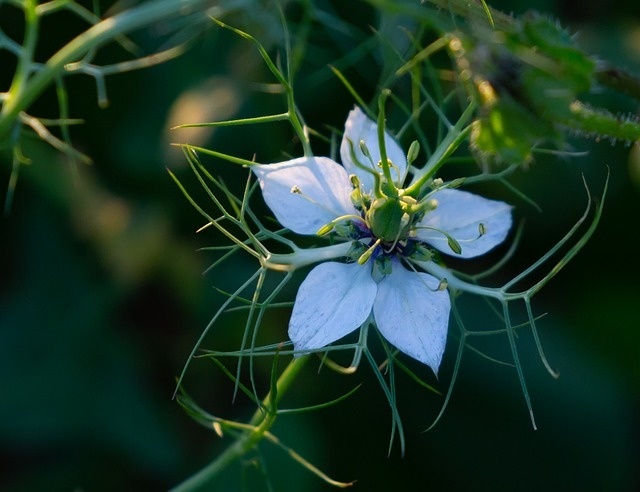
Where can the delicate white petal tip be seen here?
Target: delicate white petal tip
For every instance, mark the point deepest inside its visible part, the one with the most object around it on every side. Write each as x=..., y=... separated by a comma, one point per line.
x=360, y=127
x=476, y=223
x=305, y=193
x=413, y=314
x=334, y=300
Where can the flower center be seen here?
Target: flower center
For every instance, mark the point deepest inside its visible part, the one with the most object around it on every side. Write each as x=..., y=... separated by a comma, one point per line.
x=388, y=219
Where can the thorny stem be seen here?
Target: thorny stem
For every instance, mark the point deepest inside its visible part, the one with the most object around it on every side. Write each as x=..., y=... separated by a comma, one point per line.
x=619, y=80
x=262, y=420
x=475, y=11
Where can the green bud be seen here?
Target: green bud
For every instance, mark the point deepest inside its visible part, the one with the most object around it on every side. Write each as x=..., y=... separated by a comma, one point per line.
x=414, y=150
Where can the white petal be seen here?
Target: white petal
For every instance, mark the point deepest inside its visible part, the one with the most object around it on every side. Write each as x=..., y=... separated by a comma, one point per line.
x=460, y=213
x=323, y=186
x=413, y=315
x=334, y=300
x=360, y=127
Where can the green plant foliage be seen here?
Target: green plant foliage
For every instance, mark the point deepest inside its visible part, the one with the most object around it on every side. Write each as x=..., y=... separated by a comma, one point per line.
x=127, y=126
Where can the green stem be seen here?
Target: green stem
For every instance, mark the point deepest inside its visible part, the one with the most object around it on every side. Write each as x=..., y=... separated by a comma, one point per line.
x=261, y=422
x=384, y=160
x=93, y=37
x=476, y=11
x=298, y=127
x=601, y=123
x=25, y=61
x=457, y=134
x=619, y=80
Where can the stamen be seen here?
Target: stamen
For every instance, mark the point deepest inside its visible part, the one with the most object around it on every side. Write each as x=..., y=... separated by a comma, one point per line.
x=356, y=250
x=367, y=254
x=327, y=228
x=451, y=241
x=365, y=150
x=358, y=199
x=423, y=206
x=414, y=150
x=453, y=244
x=356, y=161
x=296, y=190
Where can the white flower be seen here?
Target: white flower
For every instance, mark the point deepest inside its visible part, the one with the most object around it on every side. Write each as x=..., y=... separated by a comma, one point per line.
x=389, y=230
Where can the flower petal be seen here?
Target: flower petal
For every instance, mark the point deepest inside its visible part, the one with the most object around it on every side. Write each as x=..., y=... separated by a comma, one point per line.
x=459, y=214
x=413, y=314
x=322, y=192
x=360, y=127
x=334, y=300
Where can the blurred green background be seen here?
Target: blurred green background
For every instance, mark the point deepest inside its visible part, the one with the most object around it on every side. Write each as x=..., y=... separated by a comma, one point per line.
x=102, y=297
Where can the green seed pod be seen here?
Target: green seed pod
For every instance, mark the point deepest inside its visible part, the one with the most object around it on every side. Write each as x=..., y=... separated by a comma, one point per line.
x=388, y=219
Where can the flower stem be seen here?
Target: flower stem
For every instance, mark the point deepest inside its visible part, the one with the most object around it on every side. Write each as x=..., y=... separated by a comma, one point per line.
x=384, y=161
x=24, y=91
x=25, y=60
x=261, y=422
x=456, y=135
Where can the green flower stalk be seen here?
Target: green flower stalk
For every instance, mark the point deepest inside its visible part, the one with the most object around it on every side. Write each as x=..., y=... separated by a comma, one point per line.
x=391, y=223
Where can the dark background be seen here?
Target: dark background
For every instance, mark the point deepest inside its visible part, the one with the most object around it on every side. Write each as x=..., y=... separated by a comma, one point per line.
x=102, y=297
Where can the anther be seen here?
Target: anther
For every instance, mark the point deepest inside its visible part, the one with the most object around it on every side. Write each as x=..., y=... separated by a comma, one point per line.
x=367, y=254
x=364, y=149
x=414, y=150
